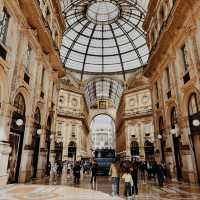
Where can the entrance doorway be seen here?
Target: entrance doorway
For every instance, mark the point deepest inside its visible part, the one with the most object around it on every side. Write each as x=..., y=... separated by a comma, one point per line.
x=149, y=150
x=58, y=151
x=135, y=149
x=16, y=138
x=72, y=151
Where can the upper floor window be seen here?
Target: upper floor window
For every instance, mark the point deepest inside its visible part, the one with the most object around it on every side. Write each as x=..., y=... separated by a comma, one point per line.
x=4, y=21
x=59, y=129
x=193, y=104
x=168, y=79
x=48, y=15
x=156, y=91
x=162, y=15
x=52, y=91
x=42, y=78
x=184, y=57
x=28, y=58
x=73, y=131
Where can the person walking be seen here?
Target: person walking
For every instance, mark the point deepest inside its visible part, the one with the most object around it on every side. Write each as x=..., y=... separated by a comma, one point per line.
x=134, y=174
x=48, y=169
x=76, y=173
x=160, y=174
x=54, y=167
x=94, y=169
x=128, y=183
x=115, y=175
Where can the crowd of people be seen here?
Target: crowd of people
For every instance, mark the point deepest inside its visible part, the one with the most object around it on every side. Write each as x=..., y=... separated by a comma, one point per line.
x=130, y=171
x=126, y=171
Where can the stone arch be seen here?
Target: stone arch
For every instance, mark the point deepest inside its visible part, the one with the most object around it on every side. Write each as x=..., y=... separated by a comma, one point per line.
x=40, y=106
x=168, y=113
x=26, y=94
x=101, y=112
x=186, y=98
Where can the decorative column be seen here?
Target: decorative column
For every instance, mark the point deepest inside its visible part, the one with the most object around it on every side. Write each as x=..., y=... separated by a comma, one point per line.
x=128, y=147
x=52, y=148
x=27, y=152
x=141, y=141
x=41, y=166
x=65, y=142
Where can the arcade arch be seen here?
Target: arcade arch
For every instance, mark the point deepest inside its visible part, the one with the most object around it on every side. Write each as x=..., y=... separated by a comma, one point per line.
x=102, y=130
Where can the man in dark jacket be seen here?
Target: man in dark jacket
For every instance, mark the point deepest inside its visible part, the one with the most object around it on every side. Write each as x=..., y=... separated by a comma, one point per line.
x=134, y=174
x=76, y=173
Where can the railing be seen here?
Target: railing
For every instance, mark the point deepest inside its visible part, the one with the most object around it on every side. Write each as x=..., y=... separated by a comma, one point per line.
x=137, y=113
x=71, y=113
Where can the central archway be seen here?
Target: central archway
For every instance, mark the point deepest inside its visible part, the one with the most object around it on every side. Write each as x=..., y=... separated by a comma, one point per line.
x=102, y=129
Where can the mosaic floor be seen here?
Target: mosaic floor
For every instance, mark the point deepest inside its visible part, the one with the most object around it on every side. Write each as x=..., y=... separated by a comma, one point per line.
x=64, y=189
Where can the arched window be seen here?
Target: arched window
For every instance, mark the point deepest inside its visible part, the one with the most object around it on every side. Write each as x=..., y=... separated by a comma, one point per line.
x=161, y=124
x=19, y=104
x=134, y=148
x=193, y=106
x=72, y=150
x=37, y=116
x=162, y=15
x=173, y=117
x=148, y=148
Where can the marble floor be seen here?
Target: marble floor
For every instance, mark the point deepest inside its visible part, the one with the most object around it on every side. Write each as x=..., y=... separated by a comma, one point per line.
x=64, y=189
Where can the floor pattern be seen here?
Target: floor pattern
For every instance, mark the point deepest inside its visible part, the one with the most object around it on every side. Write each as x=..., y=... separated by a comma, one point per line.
x=44, y=190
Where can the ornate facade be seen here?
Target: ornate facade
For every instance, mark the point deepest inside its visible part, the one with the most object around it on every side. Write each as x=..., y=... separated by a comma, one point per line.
x=30, y=66
x=72, y=128
x=134, y=122
x=173, y=68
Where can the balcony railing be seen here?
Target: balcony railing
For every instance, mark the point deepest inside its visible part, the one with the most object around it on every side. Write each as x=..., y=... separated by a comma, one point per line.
x=71, y=113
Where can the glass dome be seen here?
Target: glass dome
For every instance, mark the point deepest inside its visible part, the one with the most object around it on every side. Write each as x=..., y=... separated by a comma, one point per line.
x=104, y=36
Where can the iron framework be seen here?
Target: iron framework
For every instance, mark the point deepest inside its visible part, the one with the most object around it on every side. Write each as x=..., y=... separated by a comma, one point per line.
x=109, y=40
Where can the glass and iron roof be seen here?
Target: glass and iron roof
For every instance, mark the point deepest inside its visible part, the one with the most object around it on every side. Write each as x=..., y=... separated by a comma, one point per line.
x=103, y=89
x=104, y=36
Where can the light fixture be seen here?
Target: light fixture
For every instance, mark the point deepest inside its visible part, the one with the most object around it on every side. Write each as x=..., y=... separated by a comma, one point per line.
x=51, y=137
x=159, y=136
x=173, y=131
x=19, y=122
x=39, y=131
x=196, y=122
x=59, y=140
